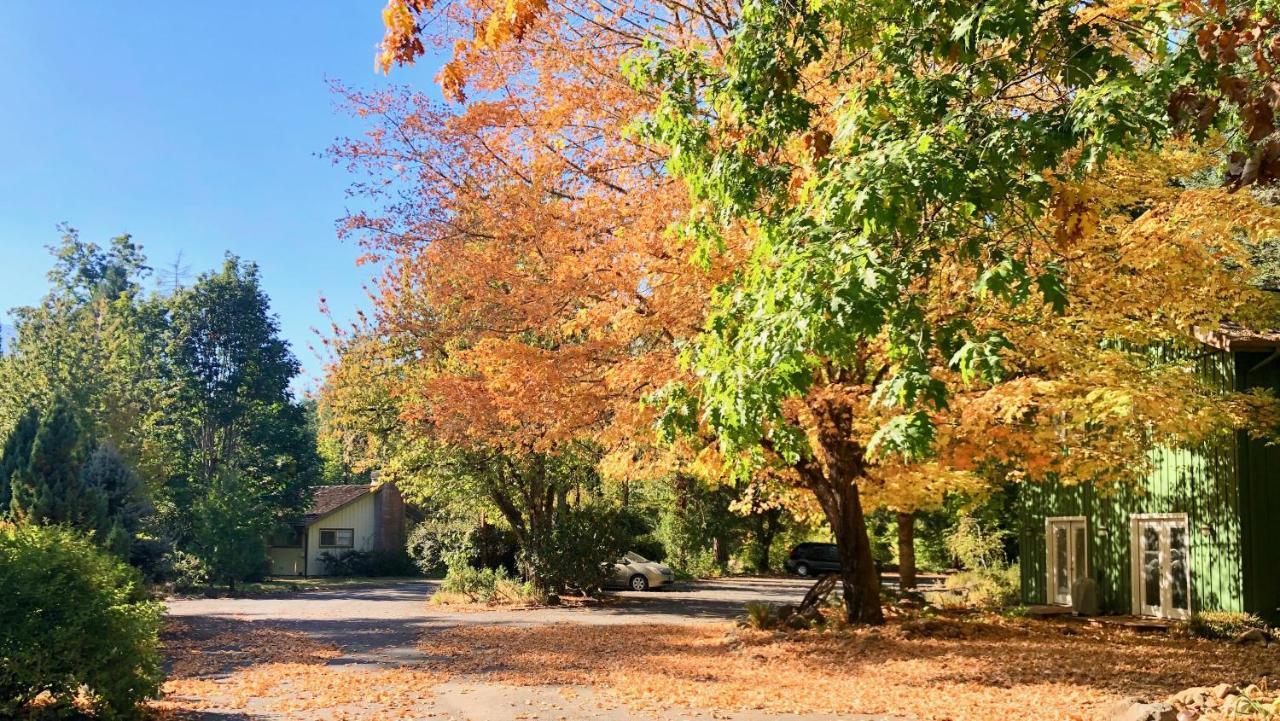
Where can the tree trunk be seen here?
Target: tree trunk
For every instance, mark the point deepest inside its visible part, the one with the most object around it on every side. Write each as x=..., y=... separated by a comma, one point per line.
x=766, y=530
x=907, y=551
x=860, y=581
x=835, y=486
x=720, y=551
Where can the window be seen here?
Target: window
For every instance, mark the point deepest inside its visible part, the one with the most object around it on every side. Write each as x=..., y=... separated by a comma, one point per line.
x=286, y=537
x=337, y=538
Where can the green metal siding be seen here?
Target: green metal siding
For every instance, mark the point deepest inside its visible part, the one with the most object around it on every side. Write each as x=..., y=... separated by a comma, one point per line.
x=1260, y=489
x=1200, y=482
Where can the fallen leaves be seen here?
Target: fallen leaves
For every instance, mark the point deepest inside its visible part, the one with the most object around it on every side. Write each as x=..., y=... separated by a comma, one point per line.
x=990, y=668
x=250, y=667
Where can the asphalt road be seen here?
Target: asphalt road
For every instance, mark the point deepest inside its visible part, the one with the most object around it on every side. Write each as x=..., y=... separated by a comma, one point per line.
x=379, y=626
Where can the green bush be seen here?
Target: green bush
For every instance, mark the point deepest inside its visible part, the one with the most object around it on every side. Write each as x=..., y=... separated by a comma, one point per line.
x=369, y=563
x=760, y=616
x=484, y=585
x=1223, y=624
x=77, y=621
x=990, y=587
x=578, y=552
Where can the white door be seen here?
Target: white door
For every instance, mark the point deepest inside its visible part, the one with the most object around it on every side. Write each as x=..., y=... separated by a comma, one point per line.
x=1068, y=556
x=1162, y=569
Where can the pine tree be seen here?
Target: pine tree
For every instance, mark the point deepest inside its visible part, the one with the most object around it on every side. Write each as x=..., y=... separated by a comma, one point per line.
x=117, y=495
x=47, y=489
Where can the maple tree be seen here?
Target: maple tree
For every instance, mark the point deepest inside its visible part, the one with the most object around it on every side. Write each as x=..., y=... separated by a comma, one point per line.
x=930, y=268
x=532, y=297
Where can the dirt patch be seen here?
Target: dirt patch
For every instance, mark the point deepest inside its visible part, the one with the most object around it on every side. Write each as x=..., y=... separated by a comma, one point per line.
x=972, y=669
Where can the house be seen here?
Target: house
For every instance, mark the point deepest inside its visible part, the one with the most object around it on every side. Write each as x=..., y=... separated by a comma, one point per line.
x=1200, y=532
x=340, y=519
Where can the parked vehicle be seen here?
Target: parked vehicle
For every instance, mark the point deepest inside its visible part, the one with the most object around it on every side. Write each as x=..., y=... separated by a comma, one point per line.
x=640, y=574
x=813, y=559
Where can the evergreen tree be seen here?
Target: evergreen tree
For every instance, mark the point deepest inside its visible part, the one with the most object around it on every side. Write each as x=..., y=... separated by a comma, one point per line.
x=48, y=488
x=118, y=496
x=16, y=454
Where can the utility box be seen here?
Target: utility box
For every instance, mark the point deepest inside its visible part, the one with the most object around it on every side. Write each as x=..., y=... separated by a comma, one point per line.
x=1084, y=597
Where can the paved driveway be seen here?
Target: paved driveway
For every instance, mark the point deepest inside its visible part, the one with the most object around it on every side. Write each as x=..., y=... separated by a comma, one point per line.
x=378, y=626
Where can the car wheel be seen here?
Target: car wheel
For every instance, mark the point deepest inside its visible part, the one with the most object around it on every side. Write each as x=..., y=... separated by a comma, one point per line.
x=802, y=569
x=639, y=583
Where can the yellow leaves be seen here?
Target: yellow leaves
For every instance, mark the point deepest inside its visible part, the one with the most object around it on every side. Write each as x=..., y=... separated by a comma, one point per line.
x=510, y=24
x=1075, y=216
x=401, y=44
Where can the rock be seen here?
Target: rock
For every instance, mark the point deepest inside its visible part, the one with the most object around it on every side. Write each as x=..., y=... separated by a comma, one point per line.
x=1188, y=715
x=797, y=622
x=1198, y=696
x=1145, y=712
x=1252, y=691
x=1253, y=635
x=1222, y=690
x=1119, y=707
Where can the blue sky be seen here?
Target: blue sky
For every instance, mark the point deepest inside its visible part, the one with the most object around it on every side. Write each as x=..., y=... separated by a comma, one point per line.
x=194, y=126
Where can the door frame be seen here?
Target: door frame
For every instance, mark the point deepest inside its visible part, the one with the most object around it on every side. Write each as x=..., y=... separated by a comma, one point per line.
x=1135, y=564
x=1050, y=559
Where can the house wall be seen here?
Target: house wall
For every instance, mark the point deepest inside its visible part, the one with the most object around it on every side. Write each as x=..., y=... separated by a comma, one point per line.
x=1201, y=482
x=360, y=515
x=286, y=561
x=1260, y=491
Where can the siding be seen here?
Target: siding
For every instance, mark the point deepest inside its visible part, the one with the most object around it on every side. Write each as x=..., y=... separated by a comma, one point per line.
x=1260, y=489
x=1201, y=482
x=359, y=515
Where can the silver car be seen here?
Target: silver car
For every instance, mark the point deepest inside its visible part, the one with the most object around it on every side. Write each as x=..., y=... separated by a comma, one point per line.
x=640, y=574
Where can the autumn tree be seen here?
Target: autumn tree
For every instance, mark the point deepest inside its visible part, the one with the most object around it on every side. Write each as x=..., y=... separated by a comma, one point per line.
x=530, y=279
x=886, y=205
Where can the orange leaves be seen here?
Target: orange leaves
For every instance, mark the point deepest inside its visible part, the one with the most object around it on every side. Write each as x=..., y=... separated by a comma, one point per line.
x=990, y=668
x=401, y=43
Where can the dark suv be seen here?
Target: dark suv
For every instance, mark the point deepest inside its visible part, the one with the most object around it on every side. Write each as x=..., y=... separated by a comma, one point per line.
x=812, y=559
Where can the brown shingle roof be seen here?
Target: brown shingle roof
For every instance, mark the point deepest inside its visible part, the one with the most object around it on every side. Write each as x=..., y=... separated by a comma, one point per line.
x=326, y=499
x=1232, y=337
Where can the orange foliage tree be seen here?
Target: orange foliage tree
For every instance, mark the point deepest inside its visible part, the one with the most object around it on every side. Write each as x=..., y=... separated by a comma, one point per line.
x=543, y=299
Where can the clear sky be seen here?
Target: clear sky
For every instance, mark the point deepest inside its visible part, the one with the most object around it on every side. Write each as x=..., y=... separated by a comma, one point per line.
x=194, y=126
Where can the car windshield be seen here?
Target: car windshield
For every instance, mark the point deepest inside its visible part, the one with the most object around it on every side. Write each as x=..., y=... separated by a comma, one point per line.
x=635, y=557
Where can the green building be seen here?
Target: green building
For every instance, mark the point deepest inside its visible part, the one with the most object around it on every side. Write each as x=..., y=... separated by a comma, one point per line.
x=1201, y=532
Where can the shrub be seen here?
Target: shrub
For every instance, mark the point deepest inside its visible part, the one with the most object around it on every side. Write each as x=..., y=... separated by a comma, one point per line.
x=760, y=616
x=440, y=542
x=1223, y=624
x=578, y=552
x=77, y=625
x=484, y=585
x=989, y=587
x=369, y=563
x=187, y=570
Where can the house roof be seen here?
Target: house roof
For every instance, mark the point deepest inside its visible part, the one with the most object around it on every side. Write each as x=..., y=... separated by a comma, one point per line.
x=1234, y=338
x=327, y=499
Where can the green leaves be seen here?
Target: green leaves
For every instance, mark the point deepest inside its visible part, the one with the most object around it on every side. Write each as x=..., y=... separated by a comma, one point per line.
x=948, y=117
